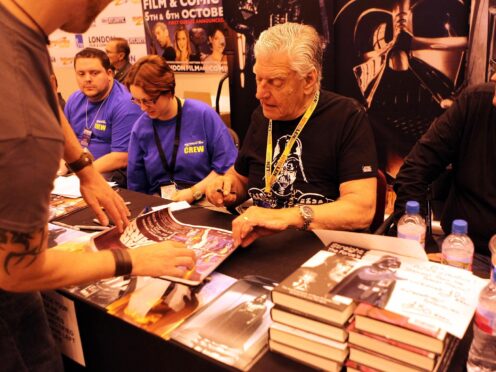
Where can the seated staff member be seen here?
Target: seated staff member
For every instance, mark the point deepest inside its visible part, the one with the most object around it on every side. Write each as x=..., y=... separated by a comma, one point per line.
x=176, y=146
x=308, y=160
x=101, y=113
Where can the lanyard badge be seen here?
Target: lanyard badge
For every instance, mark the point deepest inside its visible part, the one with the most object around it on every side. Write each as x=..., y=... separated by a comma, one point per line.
x=88, y=129
x=86, y=138
x=167, y=191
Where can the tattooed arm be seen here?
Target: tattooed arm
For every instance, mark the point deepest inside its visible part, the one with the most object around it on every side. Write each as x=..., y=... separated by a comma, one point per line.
x=26, y=264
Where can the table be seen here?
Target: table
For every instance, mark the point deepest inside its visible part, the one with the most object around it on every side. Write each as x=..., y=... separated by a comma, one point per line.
x=110, y=344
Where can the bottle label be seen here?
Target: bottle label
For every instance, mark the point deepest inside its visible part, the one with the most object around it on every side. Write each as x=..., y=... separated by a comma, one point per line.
x=412, y=232
x=461, y=262
x=486, y=320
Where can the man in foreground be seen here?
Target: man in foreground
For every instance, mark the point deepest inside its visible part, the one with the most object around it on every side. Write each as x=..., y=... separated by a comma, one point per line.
x=33, y=139
x=308, y=160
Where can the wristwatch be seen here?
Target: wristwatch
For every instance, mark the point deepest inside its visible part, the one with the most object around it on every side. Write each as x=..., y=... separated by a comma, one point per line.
x=306, y=212
x=197, y=194
x=84, y=160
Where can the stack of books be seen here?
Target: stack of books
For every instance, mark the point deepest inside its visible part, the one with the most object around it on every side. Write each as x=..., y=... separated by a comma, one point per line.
x=386, y=341
x=409, y=310
x=309, y=323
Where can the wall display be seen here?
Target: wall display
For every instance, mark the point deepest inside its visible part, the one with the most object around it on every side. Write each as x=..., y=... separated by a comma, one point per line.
x=119, y=19
x=404, y=60
x=190, y=35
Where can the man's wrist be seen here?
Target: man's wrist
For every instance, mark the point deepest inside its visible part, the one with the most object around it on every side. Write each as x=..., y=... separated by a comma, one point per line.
x=307, y=215
x=123, y=262
x=197, y=194
x=84, y=160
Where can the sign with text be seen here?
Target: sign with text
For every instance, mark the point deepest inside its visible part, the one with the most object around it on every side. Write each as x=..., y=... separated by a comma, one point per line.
x=63, y=322
x=189, y=34
x=120, y=19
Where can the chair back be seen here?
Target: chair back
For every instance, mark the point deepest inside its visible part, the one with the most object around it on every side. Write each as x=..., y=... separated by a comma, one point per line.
x=199, y=96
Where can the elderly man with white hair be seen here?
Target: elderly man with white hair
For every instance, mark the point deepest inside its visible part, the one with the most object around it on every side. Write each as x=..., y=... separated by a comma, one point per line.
x=308, y=160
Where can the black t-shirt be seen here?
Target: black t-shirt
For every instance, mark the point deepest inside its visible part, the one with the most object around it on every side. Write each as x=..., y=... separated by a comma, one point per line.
x=464, y=136
x=335, y=146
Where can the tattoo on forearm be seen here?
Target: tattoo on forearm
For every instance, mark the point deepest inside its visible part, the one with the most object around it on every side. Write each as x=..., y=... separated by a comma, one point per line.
x=29, y=248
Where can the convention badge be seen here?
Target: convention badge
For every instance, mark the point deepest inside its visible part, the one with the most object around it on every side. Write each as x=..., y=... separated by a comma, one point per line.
x=86, y=138
x=167, y=191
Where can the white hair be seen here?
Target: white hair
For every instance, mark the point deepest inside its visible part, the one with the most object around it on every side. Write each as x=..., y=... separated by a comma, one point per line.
x=301, y=42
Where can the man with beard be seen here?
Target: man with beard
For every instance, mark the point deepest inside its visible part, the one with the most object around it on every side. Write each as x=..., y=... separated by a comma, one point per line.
x=34, y=136
x=335, y=187
x=102, y=114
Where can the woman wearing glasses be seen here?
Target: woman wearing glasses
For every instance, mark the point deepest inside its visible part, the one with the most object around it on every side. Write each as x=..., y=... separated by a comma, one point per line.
x=177, y=145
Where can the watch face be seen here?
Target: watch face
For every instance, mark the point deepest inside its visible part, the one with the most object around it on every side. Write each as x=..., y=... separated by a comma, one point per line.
x=307, y=212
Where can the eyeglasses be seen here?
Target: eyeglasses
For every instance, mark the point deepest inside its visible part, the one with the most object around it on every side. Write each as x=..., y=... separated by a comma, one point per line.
x=148, y=102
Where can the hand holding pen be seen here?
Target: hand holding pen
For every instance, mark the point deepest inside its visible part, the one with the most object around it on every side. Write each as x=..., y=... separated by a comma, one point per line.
x=220, y=192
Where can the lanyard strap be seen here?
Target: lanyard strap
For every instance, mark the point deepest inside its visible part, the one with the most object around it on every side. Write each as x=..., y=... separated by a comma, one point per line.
x=169, y=169
x=96, y=115
x=270, y=176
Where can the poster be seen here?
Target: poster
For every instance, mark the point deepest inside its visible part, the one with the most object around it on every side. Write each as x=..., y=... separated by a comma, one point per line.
x=189, y=34
x=404, y=61
x=119, y=19
x=211, y=245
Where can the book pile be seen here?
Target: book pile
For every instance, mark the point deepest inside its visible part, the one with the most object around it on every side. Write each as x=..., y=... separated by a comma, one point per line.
x=386, y=341
x=309, y=323
x=410, y=316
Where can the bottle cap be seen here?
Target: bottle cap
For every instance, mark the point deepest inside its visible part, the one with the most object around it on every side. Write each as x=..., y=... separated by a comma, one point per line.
x=412, y=207
x=459, y=227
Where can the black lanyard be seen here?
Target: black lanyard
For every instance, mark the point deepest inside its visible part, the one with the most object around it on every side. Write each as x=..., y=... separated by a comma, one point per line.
x=169, y=169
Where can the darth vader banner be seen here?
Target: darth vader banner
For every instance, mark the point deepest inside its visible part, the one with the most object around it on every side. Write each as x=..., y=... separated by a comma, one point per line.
x=189, y=34
x=404, y=60
x=249, y=18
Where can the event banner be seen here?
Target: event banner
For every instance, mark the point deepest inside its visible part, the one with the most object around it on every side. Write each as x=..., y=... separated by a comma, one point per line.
x=121, y=18
x=189, y=34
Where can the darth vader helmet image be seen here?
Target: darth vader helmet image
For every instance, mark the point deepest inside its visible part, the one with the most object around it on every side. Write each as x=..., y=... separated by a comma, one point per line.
x=407, y=59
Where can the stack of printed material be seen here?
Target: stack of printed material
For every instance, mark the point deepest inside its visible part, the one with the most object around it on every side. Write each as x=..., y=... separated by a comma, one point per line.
x=309, y=321
x=388, y=311
x=391, y=342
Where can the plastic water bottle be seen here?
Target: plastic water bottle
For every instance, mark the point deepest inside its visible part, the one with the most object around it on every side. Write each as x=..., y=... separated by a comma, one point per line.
x=411, y=225
x=457, y=248
x=482, y=354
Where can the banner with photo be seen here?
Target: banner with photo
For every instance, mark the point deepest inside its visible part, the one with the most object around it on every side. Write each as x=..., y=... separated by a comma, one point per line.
x=119, y=19
x=189, y=34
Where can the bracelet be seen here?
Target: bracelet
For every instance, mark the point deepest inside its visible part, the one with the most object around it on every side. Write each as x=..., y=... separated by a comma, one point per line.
x=84, y=160
x=123, y=262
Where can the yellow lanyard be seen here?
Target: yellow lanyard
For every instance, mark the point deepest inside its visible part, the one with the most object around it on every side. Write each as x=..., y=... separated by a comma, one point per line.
x=270, y=176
